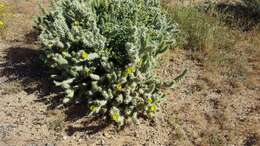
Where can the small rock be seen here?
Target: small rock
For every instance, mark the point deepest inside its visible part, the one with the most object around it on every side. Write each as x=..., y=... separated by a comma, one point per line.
x=65, y=137
x=136, y=134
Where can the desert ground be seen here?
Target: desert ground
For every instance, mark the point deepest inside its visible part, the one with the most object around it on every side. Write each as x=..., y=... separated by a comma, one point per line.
x=206, y=109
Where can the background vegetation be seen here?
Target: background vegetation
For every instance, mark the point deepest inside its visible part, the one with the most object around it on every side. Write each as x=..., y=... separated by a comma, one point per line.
x=210, y=41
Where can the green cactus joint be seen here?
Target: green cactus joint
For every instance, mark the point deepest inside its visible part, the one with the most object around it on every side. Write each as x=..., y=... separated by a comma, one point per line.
x=62, y=49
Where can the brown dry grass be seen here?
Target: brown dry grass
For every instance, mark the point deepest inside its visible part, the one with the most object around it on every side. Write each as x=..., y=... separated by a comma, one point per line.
x=223, y=106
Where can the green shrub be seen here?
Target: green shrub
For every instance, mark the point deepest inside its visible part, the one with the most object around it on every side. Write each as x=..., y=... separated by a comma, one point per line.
x=102, y=54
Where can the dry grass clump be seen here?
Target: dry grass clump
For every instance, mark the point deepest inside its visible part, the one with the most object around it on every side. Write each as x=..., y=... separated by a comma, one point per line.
x=223, y=102
x=211, y=42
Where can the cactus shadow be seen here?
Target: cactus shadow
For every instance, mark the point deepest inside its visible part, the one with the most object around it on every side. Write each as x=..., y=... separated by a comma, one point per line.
x=22, y=64
x=89, y=126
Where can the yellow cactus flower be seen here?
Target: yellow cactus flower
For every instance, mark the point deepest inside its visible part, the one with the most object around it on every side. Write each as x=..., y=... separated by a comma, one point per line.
x=93, y=108
x=76, y=23
x=84, y=55
x=2, y=24
x=128, y=71
x=149, y=100
x=153, y=108
x=116, y=117
x=119, y=87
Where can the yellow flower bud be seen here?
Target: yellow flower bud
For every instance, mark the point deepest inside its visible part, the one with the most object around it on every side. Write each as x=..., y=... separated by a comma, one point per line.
x=119, y=87
x=116, y=117
x=128, y=71
x=153, y=108
x=93, y=108
x=84, y=55
x=76, y=23
x=149, y=100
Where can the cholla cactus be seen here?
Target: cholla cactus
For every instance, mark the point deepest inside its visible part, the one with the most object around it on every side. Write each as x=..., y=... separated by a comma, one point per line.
x=102, y=53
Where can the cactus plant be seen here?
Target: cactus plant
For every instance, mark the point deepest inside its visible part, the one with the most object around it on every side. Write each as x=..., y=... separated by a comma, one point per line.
x=102, y=53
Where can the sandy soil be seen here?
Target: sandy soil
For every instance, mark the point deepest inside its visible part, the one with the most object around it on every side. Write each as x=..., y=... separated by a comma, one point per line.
x=204, y=110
